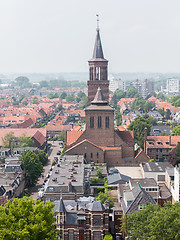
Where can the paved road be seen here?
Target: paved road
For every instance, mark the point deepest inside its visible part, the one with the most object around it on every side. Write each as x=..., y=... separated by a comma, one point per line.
x=52, y=153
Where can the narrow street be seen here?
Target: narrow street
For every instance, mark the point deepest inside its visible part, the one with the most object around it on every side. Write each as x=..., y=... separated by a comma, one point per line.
x=52, y=153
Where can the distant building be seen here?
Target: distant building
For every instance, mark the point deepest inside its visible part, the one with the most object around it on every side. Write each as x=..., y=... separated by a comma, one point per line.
x=143, y=87
x=173, y=86
x=116, y=84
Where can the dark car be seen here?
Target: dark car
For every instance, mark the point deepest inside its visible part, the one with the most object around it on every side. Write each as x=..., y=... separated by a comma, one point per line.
x=58, y=152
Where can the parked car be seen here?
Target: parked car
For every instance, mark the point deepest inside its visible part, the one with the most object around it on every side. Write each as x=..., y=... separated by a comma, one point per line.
x=55, y=159
x=58, y=152
x=113, y=171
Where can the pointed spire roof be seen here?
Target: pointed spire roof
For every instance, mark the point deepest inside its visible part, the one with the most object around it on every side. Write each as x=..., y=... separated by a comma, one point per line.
x=99, y=98
x=61, y=206
x=98, y=52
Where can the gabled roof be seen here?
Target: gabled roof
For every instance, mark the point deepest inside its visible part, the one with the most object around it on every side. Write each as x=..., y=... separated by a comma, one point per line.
x=142, y=198
x=117, y=178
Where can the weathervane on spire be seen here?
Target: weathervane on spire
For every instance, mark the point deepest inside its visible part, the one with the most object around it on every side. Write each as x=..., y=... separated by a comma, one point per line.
x=97, y=15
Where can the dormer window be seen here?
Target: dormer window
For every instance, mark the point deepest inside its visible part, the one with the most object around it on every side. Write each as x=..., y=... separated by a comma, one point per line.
x=151, y=143
x=159, y=143
x=167, y=143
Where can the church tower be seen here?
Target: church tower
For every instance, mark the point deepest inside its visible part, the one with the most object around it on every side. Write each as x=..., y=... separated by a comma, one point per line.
x=98, y=71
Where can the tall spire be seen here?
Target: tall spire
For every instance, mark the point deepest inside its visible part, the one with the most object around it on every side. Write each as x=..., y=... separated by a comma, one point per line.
x=98, y=52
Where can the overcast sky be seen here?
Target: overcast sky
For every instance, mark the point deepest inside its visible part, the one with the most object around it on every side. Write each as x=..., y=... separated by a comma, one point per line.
x=59, y=35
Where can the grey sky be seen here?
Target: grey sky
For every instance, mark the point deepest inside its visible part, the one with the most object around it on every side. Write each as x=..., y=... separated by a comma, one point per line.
x=59, y=35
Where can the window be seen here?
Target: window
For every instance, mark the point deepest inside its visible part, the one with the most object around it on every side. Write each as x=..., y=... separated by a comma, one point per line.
x=91, y=155
x=91, y=73
x=150, y=150
x=70, y=234
x=97, y=155
x=51, y=189
x=96, y=220
x=99, y=122
x=107, y=122
x=97, y=235
x=160, y=150
x=157, y=157
x=91, y=122
x=167, y=150
x=157, y=150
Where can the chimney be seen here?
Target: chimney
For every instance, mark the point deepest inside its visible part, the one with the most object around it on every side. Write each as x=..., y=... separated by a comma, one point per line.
x=145, y=138
x=169, y=140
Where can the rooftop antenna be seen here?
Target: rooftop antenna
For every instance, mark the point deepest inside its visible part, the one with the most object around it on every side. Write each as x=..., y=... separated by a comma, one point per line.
x=97, y=15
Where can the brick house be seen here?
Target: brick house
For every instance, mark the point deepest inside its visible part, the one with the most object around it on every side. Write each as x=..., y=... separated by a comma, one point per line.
x=82, y=219
x=158, y=147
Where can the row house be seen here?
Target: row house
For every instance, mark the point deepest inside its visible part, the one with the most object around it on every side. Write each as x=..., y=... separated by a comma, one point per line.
x=158, y=147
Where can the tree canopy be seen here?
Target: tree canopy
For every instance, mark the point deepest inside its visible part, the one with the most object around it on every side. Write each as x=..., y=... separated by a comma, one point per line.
x=176, y=131
x=27, y=219
x=132, y=92
x=8, y=140
x=138, y=125
x=154, y=223
x=175, y=100
x=32, y=165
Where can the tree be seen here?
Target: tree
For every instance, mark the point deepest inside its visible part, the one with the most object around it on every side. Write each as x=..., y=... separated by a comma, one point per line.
x=32, y=165
x=25, y=141
x=138, y=103
x=152, y=121
x=84, y=102
x=138, y=125
x=70, y=97
x=118, y=117
x=81, y=94
x=23, y=82
x=154, y=223
x=104, y=198
x=108, y=236
x=43, y=156
x=99, y=173
x=161, y=96
x=35, y=100
x=25, y=102
x=44, y=84
x=62, y=136
x=8, y=140
x=176, y=131
x=132, y=93
x=118, y=94
x=175, y=100
x=63, y=95
x=28, y=219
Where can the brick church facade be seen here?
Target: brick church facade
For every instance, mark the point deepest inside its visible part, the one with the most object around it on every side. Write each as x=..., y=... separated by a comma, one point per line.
x=99, y=141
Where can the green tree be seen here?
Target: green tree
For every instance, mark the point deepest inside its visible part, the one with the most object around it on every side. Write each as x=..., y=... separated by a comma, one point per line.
x=104, y=198
x=138, y=103
x=177, y=153
x=99, y=173
x=138, y=125
x=44, y=84
x=35, y=100
x=154, y=223
x=25, y=102
x=22, y=82
x=118, y=117
x=27, y=219
x=132, y=93
x=77, y=99
x=43, y=156
x=70, y=97
x=8, y=140
x=118, y=94
x=84, y=102
x=81, y=94
x=152, y=121
x=108, y=236
x=25, y=141
x=62, y=136
x=161, y=96
x=32, y=165
x=176, y=131
x=63, y=95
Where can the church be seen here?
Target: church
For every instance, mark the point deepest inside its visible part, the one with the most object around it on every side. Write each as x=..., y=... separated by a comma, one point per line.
x=98, y=140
